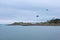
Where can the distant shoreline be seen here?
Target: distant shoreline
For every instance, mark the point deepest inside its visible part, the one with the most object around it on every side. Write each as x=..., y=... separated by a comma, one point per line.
x=38, y=25
x=35, y=24
x=52, y=22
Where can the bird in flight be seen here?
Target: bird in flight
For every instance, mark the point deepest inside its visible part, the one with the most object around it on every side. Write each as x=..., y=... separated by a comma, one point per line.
x=37, y=16
x=46, y=9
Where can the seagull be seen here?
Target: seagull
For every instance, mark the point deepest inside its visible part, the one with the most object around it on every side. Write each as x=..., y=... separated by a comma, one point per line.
x=46, y=9
x=37, y=16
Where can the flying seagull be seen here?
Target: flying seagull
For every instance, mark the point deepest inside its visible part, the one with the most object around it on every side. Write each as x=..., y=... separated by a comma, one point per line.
x=37, y=16
x=46, y=9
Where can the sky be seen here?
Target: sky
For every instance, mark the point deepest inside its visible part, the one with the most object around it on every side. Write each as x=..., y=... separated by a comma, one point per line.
x=26, y=10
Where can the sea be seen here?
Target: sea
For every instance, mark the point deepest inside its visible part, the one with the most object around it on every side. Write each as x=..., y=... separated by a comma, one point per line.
x=29, y=32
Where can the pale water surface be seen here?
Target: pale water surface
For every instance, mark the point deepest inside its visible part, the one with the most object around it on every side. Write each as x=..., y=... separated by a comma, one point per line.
x=29, y=32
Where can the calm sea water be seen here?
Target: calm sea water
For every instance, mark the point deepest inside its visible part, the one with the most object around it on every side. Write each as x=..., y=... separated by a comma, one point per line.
x=29, y=32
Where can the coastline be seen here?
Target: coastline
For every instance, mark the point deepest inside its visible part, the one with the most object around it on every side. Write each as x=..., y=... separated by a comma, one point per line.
x=52, y=22
x=35, y=24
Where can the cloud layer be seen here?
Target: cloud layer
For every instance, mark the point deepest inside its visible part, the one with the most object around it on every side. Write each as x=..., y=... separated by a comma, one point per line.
x=26, y=10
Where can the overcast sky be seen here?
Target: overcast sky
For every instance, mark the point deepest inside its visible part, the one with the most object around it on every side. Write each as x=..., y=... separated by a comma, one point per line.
x=26, y=10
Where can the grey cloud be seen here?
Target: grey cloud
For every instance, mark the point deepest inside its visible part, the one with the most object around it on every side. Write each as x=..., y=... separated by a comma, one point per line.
x=25, y=10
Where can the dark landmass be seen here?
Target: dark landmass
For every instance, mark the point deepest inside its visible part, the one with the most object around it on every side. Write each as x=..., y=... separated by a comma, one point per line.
x=52, y=22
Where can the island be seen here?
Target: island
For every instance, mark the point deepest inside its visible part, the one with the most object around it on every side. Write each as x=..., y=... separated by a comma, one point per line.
x=52, y=22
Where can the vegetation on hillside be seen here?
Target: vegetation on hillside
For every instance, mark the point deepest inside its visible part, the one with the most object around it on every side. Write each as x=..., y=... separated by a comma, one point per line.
x=50, y=22
x=55, y=21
